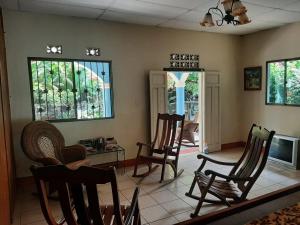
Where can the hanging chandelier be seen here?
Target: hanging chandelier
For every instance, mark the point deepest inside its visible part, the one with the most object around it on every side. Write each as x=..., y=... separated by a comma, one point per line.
x=235, y=13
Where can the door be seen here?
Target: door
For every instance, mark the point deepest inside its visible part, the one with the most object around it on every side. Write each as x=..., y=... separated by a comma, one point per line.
x=7, y=174
x=212, y=111
x=158, y=96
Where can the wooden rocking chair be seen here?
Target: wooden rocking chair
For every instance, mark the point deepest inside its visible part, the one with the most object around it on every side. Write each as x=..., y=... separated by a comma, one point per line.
x=163, y=144
x=241, y=178
x=78, y=193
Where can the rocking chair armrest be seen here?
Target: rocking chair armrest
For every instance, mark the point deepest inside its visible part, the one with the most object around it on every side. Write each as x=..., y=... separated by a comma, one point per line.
x=73, y=153
x=211, y=172
x=234, y=179
x=47, y=161
x=200, y=156
x=133, y=207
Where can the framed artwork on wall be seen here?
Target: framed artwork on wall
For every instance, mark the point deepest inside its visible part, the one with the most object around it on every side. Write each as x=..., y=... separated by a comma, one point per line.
x=252, y=78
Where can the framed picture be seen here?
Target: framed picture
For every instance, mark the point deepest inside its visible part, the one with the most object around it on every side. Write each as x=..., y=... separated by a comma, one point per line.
x=252, y=78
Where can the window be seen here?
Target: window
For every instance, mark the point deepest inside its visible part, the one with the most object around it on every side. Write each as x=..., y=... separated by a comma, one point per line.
x=283, y=82
x=68, y=90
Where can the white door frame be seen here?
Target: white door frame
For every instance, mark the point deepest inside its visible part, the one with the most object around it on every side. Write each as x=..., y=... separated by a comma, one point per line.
x=212, y=80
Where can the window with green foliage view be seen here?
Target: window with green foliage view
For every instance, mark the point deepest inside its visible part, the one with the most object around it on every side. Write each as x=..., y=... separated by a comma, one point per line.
x=67, y=90
x=283, y=82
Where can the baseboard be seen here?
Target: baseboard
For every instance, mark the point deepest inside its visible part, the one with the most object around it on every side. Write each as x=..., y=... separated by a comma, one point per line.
x=24, y=181
x=238, y=144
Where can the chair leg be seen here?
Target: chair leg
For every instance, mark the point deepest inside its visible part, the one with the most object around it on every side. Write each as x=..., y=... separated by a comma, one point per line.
x=203, y=195
x=162, y=173
x=192, y=187
x=150, y=167
x=135, y=167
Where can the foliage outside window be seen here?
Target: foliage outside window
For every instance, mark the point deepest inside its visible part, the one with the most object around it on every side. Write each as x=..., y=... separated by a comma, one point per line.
x=283, y=82
x=67, y=90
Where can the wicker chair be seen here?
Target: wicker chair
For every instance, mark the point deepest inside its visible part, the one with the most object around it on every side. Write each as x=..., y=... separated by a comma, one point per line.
x=43, y=143
x=188, y=132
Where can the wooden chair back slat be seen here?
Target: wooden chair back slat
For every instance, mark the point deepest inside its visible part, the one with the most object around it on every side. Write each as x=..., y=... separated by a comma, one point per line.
x=169, y=132
x=80, y=206
x=95, y=213
x=254, y=158
x=245, y=153
x=116, y=199
x=41, y=188
x=73, y=181
x=65, y=202
x=174, y=131
x=166, y=136
x=163, y=134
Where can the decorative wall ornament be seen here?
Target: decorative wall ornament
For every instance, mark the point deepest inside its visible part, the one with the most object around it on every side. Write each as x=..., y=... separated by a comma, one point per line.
x=54, y=49
x=188, y=61
x=92, y=51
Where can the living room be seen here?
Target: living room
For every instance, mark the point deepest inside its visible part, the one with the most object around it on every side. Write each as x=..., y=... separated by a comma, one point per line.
x=138, y=37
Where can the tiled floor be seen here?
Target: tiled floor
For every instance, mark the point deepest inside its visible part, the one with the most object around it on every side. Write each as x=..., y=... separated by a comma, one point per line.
x=160, y=203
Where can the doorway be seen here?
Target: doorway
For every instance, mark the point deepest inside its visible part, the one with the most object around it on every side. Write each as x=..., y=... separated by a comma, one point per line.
x=184, y=98
x=176, y=92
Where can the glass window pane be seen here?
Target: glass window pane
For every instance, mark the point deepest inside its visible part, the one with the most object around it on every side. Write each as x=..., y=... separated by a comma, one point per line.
x=68, y=89
x=93, y=82
x=293, y=82
x=275, y=88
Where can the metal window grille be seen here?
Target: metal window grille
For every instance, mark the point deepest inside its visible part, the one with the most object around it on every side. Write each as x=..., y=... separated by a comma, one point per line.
x=68, y=90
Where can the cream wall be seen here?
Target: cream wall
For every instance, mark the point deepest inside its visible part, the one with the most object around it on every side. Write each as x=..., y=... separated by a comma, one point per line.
x=134, y=50
x=258, y=48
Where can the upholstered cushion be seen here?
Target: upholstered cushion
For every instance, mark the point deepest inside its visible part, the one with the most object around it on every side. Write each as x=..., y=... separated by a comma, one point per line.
x=46, y=146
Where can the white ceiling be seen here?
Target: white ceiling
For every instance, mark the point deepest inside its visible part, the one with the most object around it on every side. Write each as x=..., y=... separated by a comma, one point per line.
x=180, y=14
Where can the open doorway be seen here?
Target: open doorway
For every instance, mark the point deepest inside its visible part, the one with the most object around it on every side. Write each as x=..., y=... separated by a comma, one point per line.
x=176, y=92
x=185, y=97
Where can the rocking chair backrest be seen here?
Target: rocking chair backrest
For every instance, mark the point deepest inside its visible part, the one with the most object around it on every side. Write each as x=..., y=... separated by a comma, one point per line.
x=165, y=135
x=74, y=181
x=254, y=158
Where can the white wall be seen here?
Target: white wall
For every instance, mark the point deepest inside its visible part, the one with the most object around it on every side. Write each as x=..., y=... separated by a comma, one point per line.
x=134, y=50
x=258, y=48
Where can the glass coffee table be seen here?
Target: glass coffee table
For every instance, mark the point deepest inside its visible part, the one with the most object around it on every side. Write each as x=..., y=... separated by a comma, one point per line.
x=107, y=157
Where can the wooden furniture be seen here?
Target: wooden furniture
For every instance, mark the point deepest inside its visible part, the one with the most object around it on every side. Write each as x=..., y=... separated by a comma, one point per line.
x=163, y=144
x=43, y=143
x=73, y=183
x=250, y=210
x=243, y=175
x=7, y=167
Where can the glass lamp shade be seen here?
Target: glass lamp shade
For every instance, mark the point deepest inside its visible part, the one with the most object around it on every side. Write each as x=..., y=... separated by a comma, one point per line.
x=227, y=5
x=207, y=21
x=238, y=8
x=243, y=19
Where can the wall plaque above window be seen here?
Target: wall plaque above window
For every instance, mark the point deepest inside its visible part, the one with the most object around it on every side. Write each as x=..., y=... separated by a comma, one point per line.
x=184, y=61
x=92, y=52
x=68, y=90
x=54, y=49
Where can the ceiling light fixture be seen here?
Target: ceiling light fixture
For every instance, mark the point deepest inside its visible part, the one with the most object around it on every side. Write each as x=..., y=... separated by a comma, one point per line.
x=235, y=13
